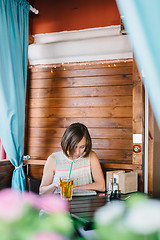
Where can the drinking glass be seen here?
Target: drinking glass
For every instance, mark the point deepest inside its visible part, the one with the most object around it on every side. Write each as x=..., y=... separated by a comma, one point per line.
x=66, y=187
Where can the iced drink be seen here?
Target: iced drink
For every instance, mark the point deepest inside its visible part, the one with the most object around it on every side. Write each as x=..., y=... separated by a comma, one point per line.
x=66, y=188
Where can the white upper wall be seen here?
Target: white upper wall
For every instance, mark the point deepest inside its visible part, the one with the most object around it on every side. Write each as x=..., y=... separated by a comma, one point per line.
x=93, y=44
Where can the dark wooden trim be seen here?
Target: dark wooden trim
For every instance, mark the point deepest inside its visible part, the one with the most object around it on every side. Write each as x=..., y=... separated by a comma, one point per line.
x=121, y=166
x=150, y=150
x=138, y=112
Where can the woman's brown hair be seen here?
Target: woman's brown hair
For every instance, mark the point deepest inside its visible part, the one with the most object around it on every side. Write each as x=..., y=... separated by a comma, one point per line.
x=72, y=136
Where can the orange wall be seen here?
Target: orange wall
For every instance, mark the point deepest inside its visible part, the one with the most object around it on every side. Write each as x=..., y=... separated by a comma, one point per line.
x=67, y=15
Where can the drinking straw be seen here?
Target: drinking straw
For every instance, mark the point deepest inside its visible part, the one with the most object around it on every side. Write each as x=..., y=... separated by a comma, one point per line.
x=66, y=192
x=70, y=171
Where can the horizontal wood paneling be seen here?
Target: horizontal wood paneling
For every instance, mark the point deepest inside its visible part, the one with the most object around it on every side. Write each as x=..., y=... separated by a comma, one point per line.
x=112, y=166
x=122, y=79
x=81, y=92
x=98, y=95
x=97, y=143
x=95, y=133
x=82, y=102
x=81, y=112
x=90, y=122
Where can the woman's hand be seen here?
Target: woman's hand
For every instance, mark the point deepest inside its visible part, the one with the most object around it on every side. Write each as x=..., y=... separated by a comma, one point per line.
x=57, y=184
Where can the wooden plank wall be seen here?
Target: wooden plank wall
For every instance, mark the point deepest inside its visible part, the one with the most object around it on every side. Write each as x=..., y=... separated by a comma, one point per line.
x=97, y=94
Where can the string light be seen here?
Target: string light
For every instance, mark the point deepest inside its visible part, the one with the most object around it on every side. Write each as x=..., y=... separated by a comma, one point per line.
x=112, y=64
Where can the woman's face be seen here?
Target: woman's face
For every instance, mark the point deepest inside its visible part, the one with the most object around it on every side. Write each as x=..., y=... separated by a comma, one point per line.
x=79, y=148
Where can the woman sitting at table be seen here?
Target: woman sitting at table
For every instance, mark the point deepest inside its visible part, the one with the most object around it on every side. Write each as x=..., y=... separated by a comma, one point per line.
x=86, y=169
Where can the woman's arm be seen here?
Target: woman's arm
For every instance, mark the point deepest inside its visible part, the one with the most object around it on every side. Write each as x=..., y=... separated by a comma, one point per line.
x=97, y=174
x=47, y=185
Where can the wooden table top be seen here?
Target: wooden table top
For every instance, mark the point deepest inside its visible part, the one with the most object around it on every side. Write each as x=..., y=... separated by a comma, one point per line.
x=85, y=206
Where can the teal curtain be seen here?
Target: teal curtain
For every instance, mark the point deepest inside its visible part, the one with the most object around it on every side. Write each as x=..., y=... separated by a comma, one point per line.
x=14, y=16
x=142, y=22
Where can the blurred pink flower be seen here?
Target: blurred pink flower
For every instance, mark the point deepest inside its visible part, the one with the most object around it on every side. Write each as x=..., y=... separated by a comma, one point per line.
x=15, y=214
x=52, y=203
x=11, y=204
x=33, y=200
x=49, y=202
x=47, y=236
